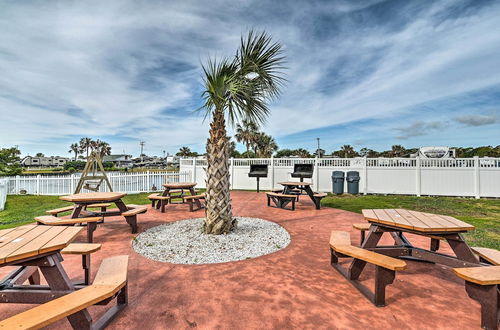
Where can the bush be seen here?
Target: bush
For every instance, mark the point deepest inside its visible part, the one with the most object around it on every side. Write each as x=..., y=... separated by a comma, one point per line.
x=76, y=165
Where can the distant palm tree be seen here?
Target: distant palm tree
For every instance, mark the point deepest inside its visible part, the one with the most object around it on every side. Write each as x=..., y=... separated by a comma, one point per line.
x=184, y=152
x=246, y=133
x=265, y=145
x=302, y=153
x=85, y=145
x=75, y=149
x=348, y=151
x=101, y=147
x=235, y=89
x=398, y=151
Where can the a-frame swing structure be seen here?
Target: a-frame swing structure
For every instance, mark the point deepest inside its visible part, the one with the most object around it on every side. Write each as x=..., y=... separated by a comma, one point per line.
x=93, y=174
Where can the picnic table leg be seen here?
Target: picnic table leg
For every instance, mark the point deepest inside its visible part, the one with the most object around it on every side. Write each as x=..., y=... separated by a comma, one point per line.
x=57, y=279
x=77, y=210
x=132, y=220
x=316, y=202
x=461, y=249
x=488, y=297
x=370, y=241
x=197, y=201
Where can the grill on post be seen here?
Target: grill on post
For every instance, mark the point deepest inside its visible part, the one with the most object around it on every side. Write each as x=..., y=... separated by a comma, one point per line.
x=258, y=171
x=302, y=171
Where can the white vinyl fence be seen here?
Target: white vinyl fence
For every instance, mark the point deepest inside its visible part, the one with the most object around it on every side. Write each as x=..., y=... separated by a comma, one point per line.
x=467, y=177
x=134, y=182
x=3, y=193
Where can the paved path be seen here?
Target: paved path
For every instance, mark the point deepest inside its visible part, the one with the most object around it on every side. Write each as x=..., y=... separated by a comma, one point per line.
x=293, y=288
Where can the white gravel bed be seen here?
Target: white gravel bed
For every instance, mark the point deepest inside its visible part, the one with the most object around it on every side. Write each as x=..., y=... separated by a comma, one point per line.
x=183, y=242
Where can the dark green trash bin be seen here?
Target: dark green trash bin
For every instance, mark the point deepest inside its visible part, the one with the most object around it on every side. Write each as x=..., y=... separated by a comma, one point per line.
x=353, y=182
x=338, y=182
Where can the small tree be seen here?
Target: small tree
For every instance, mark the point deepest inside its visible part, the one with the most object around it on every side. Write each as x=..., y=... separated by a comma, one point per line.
x=75, y=149
x=9, y=162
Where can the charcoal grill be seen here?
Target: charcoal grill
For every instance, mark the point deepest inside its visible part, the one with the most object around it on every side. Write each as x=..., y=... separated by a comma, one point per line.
x=258, y=171
x=302, y=171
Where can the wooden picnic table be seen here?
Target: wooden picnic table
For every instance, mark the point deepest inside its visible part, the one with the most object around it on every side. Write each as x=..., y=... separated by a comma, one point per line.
x=290, y=186
x=437, y=227
x=82, y=200
x=170, y=187
x=34, y=248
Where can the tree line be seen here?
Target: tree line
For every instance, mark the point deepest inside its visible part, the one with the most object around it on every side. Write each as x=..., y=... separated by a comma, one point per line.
x=87, y=145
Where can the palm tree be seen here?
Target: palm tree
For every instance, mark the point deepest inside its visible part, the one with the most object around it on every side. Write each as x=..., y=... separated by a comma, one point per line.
x=348, y=151
x=184, y=152
x=85, y=145
x=398, y=151
x=235, y=89
x=246, y=133
x=101, y=147
x=74, y=148
x=265, y=145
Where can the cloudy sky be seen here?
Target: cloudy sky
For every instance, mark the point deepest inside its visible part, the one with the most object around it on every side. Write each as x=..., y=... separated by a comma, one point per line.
x=366, y=73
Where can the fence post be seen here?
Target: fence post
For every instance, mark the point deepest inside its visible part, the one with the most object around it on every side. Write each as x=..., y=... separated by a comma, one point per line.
x=231, y=171
x=38, y=184
x=17, y=185
x=148, y=181
x=365, y=176
x=272, y=173
x=418, y=175
x=316, y=169
x=72, y=183
x=477, y=188
x=193, y=175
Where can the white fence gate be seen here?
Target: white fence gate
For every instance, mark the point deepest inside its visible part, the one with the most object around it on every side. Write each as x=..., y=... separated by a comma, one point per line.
x=135, y=182
x=467, y=177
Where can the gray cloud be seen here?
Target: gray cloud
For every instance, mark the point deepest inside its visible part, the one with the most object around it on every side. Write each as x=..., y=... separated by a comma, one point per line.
x=477, y=120
x=419, y=128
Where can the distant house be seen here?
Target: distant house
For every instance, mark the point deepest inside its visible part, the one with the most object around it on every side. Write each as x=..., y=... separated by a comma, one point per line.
x=52, y=161
x=121, y=160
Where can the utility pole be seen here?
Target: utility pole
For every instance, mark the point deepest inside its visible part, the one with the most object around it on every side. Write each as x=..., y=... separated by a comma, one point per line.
x=317, y=150
x=142, y=143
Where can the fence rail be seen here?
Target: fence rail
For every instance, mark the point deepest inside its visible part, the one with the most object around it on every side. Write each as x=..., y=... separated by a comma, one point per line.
x=65, y=184
x=467, y=177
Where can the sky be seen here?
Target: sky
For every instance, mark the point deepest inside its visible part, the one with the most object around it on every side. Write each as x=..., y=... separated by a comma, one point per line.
x=366, y=73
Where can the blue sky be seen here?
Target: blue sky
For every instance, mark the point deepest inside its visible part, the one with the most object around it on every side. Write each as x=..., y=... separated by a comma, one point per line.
x=366, y=73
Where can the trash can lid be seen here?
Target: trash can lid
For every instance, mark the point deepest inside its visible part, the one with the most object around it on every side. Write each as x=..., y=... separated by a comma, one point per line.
x=352, y=173
x=337, y=174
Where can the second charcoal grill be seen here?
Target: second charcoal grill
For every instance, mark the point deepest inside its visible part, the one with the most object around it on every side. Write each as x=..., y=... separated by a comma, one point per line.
x=258, y=171
x=303, y=171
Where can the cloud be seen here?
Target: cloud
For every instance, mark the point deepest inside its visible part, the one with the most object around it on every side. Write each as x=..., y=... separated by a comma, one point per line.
x=477, y=120
x=131, y=70
x=419, y=128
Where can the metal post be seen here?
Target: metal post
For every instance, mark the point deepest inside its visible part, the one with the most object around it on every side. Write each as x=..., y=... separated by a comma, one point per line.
x=477, y=191
x=418, y=175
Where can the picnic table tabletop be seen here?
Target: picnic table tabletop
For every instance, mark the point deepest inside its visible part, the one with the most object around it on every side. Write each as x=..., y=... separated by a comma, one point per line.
x=180, y=185
x=94, y=197
x=295, y=183
x=417, y=221
x=29, y=241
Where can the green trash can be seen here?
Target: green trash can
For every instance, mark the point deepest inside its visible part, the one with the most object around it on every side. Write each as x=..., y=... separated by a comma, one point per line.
x=353, y=182
x=338, y=182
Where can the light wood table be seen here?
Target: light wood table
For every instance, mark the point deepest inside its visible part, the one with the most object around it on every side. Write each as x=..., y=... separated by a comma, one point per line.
x=34, y=248
x=180, y=186
x=435, y=226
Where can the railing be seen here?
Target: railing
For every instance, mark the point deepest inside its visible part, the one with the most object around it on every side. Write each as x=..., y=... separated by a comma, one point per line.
x=135, y=182
x=468, y=177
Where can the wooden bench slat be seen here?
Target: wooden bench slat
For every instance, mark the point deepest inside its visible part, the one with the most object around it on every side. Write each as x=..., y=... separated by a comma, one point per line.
x=320, y=195
x=60, y=210
x=490, y=255
x=280, y=195
x=361, y=226
x=113, y=272
x=135, y=211
x=200, y=196
x=340, y=241
x=55, y=221
x=157, y=196
x=487, y=275
x=338, y=238
x=81, y=248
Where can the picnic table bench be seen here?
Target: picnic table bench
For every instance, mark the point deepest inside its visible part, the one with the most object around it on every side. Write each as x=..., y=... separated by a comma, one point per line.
x=110, y=282
x=295, y=189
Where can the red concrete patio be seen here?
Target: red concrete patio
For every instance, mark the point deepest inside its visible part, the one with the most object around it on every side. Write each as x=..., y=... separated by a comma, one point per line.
x=292, y=288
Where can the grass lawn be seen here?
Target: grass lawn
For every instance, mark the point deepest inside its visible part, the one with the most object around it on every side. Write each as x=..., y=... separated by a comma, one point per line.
x=484, y=214
x=22, y=209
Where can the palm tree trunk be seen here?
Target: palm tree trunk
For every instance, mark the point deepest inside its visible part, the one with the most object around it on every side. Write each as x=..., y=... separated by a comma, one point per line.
x=219, y=218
